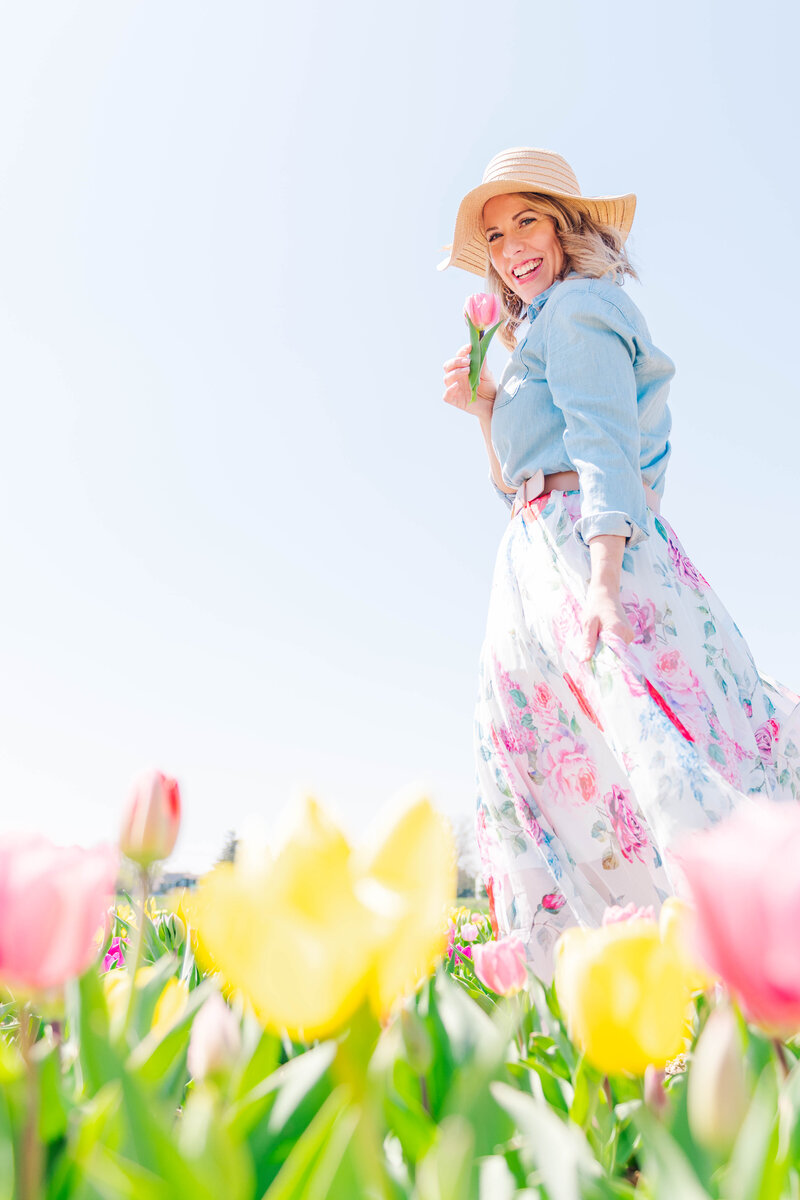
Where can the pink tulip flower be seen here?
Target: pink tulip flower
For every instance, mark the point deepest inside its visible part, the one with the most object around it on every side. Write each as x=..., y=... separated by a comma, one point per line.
x=53, y=902
x=745, y=885
x=500, y=965
x=483, y=310
x=152, y=819
x=115, y=955
x=469, y=932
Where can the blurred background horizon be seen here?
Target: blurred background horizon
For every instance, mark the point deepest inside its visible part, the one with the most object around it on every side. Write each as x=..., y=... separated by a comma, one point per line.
x=244, y=541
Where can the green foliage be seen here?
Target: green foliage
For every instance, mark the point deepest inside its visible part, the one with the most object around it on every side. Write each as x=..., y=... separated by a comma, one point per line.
x=462, y=1095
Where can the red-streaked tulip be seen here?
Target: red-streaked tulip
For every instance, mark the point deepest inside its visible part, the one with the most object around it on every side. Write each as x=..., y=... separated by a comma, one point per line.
x=746, y=889
x=152, y=819
x=483, y=309
x=53, y=902
x=500, y=965
x=215, y=1040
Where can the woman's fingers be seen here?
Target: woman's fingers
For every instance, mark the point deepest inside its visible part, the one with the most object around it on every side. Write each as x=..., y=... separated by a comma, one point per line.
x=591, y=631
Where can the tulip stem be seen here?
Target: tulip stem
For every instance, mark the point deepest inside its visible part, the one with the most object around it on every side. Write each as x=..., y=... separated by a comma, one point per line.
x=608, y=1093
x=30, y=1177
x=783, y=1060
x=424, y=1097
x=144, y=891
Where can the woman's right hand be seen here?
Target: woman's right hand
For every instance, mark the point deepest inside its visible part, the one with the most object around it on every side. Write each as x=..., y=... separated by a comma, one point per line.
x=456, y=386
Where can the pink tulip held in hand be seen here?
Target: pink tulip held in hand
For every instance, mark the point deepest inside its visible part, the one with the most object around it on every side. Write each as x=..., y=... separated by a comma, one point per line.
x=745, y=886
x=482, y=313
x=54, y=901
x=483, y=309
x=500, y=965
x=152, y=819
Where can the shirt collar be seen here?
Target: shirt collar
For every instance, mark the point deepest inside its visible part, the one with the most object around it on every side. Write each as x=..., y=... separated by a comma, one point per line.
x=538, y=302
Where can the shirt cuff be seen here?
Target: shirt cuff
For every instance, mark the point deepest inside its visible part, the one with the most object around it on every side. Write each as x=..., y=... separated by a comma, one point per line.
x=504, y=496
x=618, y=523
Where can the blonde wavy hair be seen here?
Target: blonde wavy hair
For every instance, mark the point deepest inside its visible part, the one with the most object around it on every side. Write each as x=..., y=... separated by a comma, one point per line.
x=590, y=248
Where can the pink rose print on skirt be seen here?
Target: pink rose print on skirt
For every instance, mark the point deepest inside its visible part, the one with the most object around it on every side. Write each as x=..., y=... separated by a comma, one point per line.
x=553, y=901
x=567, y=625
x=628, y=912
x=627, y=827
x=568, y=769
x=527, y=820
x=685, y=569
x=642, y=618
x=683, y=685
x=543, y=702
x=766, y=736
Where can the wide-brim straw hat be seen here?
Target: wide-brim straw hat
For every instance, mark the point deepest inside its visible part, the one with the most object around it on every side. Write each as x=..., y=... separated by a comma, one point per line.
x=526, y=169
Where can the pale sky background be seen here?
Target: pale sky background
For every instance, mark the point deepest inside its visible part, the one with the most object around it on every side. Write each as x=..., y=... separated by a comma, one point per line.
x=242, y=537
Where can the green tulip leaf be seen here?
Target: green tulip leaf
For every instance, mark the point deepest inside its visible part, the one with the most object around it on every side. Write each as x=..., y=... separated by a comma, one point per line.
x=444, y=1173
x=159, y=1060
x=293, y=1178
x=756, y=1166
x=274, y=1113
x=666, y=1166
x=87, y=1017
x=54, y=1107
x=555, y=1150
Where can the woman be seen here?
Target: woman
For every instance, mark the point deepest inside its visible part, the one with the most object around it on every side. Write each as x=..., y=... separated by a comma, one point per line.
x=619, y=704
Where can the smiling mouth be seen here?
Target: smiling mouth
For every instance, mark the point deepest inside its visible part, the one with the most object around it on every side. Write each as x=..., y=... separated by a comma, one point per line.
x=527, y=268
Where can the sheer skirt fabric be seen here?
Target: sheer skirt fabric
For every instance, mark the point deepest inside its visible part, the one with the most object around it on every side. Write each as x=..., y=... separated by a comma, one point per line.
x=589, y=772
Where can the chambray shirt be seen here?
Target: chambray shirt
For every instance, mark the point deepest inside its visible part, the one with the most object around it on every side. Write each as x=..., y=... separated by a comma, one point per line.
x=586, y=390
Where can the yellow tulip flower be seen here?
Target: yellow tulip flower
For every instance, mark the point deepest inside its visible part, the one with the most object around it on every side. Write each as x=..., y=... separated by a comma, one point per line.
x=309, y=935
x=171, y=1005
x=624, y=995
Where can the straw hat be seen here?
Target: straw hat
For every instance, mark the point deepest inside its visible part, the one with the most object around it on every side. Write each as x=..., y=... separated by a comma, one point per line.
x=525, y=169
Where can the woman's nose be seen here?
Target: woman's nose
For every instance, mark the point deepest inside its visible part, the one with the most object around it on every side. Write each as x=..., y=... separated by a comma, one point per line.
x=512, y=243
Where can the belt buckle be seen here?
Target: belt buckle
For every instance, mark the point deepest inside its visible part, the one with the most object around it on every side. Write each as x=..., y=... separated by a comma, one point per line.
x=528, y=491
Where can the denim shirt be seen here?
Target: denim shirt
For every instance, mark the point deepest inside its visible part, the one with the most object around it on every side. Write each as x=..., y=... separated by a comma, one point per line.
x=586, y=390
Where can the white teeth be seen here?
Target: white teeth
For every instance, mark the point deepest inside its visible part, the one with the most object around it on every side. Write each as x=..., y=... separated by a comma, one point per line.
x=526, y=268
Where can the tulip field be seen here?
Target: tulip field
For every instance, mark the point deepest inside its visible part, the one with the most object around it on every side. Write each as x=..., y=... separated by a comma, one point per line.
x=321, y=1022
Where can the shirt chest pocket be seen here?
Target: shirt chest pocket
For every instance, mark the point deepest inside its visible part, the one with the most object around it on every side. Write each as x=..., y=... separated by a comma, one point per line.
x=510, y=385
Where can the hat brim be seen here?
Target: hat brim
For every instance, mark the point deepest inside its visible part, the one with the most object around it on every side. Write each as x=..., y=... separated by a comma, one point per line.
x=470, y=250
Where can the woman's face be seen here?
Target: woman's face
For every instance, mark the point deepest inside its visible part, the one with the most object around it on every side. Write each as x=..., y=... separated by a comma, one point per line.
x=523, y=247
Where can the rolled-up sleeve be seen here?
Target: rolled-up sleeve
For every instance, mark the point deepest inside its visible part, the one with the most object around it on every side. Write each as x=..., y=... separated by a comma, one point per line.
x=506, y=497
x=590, y=353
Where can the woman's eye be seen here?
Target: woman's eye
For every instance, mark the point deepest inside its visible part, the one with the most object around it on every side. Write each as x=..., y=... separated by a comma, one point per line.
x=493, y=237
x=527, y=220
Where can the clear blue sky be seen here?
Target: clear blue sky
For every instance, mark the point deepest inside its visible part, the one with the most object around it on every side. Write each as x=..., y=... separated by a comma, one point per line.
x=242, y=537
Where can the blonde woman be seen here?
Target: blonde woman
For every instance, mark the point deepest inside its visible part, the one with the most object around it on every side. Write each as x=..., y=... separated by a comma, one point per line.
x=618, y=704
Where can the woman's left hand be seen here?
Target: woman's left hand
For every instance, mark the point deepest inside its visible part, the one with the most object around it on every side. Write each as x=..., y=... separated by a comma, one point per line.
x=603, y=611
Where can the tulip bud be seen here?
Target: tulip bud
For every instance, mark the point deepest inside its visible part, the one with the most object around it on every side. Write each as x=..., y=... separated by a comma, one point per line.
x=655, y=1096
x=215, y=1040
x=171, y=930
x=718, y=1086
x=468, y=932
x=151, y=822
x=483, y=309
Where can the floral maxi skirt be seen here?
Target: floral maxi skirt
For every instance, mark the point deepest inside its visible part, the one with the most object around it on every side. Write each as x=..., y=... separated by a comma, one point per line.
x=589, y=772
